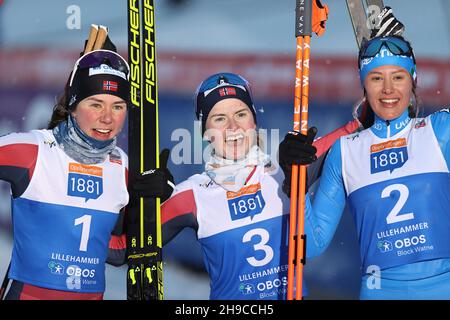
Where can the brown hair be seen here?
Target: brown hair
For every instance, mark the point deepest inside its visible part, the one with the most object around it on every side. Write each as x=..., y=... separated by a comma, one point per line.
x=60, y=110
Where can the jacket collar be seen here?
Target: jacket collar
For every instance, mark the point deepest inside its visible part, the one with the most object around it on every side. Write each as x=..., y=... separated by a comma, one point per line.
x=388, y=128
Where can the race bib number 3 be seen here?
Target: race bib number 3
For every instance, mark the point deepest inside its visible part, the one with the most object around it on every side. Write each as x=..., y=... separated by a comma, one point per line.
x=85, y=181
x=388, y=155
x=247, y=202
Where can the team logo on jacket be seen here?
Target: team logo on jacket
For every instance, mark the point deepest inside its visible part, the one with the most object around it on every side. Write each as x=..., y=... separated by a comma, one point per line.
x=85, y=181
x=247, y=202
x=388, y=155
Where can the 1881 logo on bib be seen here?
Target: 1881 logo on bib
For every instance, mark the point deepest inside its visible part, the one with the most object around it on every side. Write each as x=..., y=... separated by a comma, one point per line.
x=85, y=181
x=388, y=155
x=247, y=202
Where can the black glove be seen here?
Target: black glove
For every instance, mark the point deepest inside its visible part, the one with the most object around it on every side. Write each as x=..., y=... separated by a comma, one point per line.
x=387, y=24
x=296, y=148
x=153, y=183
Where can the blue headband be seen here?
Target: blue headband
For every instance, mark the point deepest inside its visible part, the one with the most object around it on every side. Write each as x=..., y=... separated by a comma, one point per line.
x=386, y=57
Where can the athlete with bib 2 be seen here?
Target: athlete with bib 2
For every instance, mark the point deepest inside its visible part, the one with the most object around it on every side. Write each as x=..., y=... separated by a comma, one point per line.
x=395, y=178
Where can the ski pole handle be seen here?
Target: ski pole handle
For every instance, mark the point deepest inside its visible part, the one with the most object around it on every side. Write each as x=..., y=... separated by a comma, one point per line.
x=303, y=14
x=303, y=27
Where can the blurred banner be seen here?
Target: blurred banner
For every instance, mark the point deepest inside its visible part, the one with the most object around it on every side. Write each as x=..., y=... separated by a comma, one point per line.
x=334, y=78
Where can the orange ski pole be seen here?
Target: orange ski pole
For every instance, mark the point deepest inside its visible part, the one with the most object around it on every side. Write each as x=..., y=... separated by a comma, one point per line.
x=309, y=17
x=292, y=261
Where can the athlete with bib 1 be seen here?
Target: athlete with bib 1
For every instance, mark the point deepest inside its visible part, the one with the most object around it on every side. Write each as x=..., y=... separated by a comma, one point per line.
x=69, y=185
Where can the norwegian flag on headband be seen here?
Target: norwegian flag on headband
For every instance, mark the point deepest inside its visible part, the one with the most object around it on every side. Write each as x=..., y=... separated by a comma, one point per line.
x=228, y=91
x=110, y=85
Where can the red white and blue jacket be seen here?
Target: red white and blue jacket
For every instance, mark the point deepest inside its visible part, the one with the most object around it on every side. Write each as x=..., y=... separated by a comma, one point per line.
x=63, y=215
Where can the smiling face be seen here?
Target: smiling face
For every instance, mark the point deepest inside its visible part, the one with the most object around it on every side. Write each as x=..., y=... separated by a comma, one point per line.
x=388, y=90
x=101, y=116
x=230, y=127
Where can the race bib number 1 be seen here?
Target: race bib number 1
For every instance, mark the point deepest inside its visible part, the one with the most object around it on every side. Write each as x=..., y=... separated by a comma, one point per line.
x=85, y=181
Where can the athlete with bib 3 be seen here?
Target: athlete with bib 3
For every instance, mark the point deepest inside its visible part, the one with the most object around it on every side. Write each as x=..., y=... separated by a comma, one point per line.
x=235, y=206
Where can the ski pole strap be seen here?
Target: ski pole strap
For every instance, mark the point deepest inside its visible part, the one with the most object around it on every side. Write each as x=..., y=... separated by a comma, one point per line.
x=319, y=17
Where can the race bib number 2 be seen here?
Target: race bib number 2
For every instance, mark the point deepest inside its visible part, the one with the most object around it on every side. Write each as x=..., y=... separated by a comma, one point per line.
x=247, y=202
x=388, y=155
x=85, y=181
